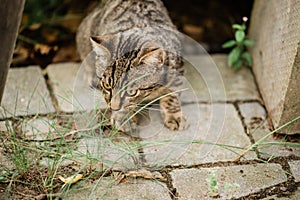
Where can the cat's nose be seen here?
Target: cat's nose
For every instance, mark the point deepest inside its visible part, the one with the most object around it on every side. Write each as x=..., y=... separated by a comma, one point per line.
x=115, y=106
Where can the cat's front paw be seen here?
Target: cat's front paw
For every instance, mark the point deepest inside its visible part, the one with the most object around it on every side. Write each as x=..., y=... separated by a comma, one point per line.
x=176, y=123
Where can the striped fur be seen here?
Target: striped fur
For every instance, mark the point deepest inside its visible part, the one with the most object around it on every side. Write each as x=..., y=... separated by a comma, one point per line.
x=136, y=59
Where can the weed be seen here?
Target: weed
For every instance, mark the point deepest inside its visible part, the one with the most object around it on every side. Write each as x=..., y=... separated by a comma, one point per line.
x=261, y=140
x=239, y=56
x=212, y=185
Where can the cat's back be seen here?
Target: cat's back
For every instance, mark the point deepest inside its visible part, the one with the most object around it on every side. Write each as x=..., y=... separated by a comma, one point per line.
x=113, y=16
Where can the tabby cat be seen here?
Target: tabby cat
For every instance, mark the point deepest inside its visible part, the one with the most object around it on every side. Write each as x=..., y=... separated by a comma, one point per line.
x=136, y=52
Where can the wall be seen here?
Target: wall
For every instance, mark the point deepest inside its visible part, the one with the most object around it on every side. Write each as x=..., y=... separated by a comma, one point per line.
x=275, y=26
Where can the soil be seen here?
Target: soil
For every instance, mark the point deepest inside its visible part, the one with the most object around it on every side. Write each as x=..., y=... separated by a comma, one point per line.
x=207, y=22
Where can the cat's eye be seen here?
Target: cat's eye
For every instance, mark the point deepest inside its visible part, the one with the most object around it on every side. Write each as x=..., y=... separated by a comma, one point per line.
x=106, y=86
x=132, y=92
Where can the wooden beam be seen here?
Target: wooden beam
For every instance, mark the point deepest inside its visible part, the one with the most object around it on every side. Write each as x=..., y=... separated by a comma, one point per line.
x=11, y=15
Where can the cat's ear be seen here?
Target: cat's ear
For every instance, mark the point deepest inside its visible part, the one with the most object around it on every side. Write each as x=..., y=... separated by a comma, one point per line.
x=154, y=57
x=98, y=46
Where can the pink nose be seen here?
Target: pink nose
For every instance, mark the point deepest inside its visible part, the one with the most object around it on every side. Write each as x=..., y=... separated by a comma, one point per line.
x=115, y=105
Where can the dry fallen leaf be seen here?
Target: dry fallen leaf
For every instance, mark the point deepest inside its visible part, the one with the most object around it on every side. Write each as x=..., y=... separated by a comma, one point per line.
x=71, y=179
x=44, y=49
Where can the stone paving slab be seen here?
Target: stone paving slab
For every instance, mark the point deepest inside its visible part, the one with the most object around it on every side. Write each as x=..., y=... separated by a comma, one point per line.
x=210, y=125
x=106, y=188
x=99, y=152
x=71, y=90
x=212, y=81
x=295, y=168
x=5, y=162
x=41, y=129
x=232, y=181
x=5, y=126
x=256, y=121
x=38, y=128
x=25, y=93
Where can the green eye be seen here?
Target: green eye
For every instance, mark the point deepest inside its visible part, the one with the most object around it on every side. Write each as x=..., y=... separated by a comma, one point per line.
x=132, y=92
x=105, y=85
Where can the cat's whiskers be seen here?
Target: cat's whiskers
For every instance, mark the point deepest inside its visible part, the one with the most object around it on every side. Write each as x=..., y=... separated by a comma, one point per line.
x=147, y=107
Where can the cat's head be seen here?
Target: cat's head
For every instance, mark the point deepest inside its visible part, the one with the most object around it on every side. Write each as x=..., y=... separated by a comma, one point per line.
x=128, y=73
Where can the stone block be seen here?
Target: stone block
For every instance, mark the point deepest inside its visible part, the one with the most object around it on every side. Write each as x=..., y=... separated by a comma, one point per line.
x=40, y=129
x=215, y=134
x=106, y=188
x=231, y=181
x=117, y=152
x=25, y=93
x=210, y=80
x=5, y=126
x=295, y=168
x=276, y=59
x=71, y=90
x=256, y=121
x=5, y=162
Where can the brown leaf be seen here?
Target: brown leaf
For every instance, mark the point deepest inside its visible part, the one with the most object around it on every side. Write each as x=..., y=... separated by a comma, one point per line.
x=66, y=54
x=44, y=49
x=20, y=54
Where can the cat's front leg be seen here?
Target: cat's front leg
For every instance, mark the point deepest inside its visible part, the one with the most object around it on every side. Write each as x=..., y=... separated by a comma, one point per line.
x=173, y=116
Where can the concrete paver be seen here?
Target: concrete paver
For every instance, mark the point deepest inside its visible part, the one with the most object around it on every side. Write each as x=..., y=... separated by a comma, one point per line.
x=5, y=126
x=215, y=134
x=106, y=188
x=117, y=153
x=231, y=181
x=38, y=128
x=295, y=168
x=5, y=162
x=41, y=128
x=25, y=93
x=71, y=90
x=257, y=125
x=212, y=81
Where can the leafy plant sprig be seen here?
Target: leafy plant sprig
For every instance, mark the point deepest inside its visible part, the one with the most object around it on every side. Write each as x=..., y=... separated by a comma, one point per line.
x=239, y=55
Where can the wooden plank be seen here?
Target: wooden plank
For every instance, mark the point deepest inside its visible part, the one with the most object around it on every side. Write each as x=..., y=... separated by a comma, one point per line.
x=11, y=15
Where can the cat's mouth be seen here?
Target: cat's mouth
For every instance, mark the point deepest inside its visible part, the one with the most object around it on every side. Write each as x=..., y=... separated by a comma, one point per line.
x=124, y=118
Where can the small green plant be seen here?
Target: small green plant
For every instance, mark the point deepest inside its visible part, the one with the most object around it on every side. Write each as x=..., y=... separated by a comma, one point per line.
x=213, y=185
x=239, y=56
